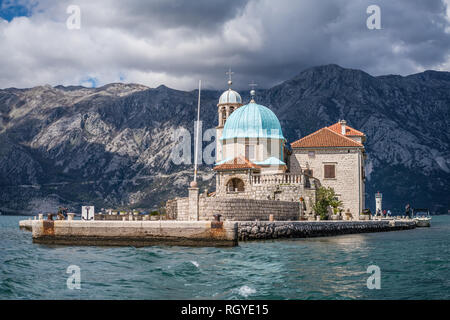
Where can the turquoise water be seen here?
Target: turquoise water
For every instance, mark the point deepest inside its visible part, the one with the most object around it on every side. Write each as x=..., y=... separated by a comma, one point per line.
x=414, y=264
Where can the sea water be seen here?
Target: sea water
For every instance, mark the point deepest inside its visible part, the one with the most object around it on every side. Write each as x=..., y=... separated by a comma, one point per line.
x=413, y=264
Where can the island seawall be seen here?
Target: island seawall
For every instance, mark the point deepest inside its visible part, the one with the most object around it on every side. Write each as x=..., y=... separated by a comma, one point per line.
x=258, y=230
x=135, y=233
x=195, y=233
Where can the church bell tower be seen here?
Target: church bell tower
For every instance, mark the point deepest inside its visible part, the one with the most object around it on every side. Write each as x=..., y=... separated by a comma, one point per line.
x=229, y=101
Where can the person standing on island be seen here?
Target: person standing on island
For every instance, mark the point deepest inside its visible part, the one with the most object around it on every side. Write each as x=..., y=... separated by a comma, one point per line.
x=407, y=210
x=60, y=214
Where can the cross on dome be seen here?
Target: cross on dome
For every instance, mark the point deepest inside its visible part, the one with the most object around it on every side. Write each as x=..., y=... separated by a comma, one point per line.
x=229, y=73
x=230, y=96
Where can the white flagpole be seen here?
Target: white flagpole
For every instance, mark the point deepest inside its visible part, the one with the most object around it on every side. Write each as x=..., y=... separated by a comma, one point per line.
x=198, y=131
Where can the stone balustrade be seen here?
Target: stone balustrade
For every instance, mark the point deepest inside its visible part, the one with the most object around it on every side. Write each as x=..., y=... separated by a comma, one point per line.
x=280, y=178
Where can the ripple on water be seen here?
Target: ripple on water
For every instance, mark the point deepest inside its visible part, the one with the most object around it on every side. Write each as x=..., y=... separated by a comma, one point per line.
x=245, y=291
x=414, y=265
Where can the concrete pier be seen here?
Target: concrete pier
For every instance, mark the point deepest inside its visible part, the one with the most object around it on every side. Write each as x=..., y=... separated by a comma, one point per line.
x=26, y=224
x=135, y=233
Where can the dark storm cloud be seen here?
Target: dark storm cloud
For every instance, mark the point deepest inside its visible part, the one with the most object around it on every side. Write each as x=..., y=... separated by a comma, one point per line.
x=412, y=37
x=176, y=42
x=204, y=14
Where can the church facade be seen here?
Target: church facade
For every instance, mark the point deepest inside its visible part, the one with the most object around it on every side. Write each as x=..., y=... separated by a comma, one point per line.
x=258, y=175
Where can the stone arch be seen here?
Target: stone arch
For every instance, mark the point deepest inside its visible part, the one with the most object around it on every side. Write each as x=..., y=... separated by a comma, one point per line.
x=235, y=185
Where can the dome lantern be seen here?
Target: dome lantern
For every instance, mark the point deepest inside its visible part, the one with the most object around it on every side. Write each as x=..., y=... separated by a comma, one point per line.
x=230, y=97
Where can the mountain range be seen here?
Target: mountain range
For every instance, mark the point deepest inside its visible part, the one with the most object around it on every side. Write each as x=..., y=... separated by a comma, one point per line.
x=111, y=146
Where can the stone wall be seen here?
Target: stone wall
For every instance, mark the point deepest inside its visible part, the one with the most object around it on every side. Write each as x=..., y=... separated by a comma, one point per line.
x=235, y=209
x=178, y=209
x=248, y=209
x=248, y=230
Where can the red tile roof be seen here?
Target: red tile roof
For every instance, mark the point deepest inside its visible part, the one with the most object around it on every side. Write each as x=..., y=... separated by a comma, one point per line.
x=349, y=131
x=325, y=137
x=238, y=163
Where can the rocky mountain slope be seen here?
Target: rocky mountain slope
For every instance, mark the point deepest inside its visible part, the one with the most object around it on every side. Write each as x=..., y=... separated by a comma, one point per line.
x=111, y=146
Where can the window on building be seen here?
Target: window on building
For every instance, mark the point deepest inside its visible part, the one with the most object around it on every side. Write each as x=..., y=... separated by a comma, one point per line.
x=250, y=152
x=308, y=172
x=311, y=154
x=235, y=185
x=329, y=171
x=268, y=148
x=224, y=116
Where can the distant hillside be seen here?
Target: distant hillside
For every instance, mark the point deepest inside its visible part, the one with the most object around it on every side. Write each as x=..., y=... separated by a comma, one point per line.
x=110, y=146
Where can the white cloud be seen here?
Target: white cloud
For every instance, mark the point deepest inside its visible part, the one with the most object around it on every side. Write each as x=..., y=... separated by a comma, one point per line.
x=176, y=43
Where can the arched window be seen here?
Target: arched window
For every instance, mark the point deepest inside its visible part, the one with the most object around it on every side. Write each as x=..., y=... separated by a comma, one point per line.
x=224, y=116
x=235, y=185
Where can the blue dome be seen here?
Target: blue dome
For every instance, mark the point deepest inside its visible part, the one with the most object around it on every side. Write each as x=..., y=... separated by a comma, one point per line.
x=252, y=121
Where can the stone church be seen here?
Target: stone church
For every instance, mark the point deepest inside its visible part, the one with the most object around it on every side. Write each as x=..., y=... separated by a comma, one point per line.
x=259, y=175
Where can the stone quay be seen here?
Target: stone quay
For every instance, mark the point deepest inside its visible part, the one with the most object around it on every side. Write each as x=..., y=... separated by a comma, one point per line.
x=195, y=233
x=135, y=233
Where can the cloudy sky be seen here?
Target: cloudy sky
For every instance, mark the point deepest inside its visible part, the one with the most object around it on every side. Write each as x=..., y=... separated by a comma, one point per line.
x=176, y=42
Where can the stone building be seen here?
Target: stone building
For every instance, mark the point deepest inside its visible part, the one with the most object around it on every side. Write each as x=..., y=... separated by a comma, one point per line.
x=258, y=176
x=335, y=156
